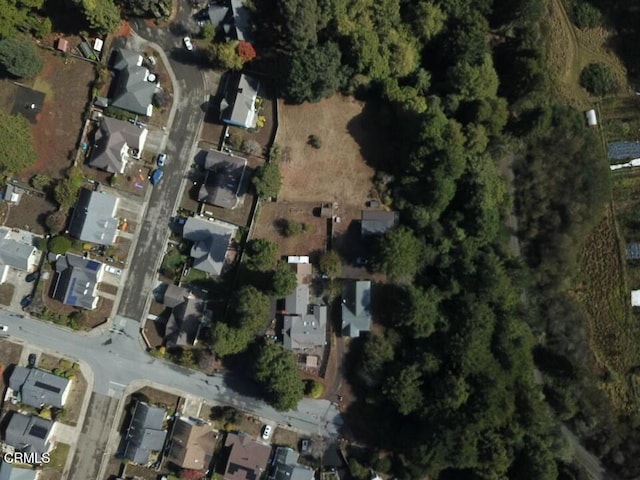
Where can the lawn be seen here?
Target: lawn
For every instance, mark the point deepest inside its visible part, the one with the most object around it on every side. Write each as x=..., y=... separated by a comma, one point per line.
x=79, y=386
x=6, y=293
x=53, y=470
x=173, y=263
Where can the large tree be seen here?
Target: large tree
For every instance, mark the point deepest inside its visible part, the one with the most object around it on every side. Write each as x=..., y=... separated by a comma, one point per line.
x=267, y=180
x=315, y=73
x=261, y=254
x=103, y=16
x=399, y=254
x=20, y=57
x=16, y=143
x=275, y=370
x=283, y=281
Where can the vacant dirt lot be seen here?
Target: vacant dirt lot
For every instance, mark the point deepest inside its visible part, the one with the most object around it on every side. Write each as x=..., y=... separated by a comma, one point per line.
x=336, y=172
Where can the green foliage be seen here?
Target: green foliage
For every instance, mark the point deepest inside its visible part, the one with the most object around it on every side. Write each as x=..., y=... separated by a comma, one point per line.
x=357, y=470
x=283, y=281
x=315, y=141
x=208, y=33
x=119, y=113
x=267, y=180
x=331, y=264
x=59, y=245
x=315, y=73
x=261, y=254
x=313, y=389
x=291, y=228
x=16, y=144
x=585, y=15
x=41, y=181
x=16, y=16
x=275, y=370
x=147, y=8
x=187, y=358
x=66, y=191
x=103, y=16
x=225, y=55
x=399, y=254
x=598, y=79
x=56, y=221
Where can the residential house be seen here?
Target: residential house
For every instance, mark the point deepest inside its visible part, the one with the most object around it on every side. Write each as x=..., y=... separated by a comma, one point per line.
x=377, y=222
x=223, y=179
x=242, y=21
x=17, y=251
x=305, y=325
x=286, y=466
x=218, y=15
x=247, y=459
x=115, y=142
x=29, y=433
x=9, y=471
x=192, y=444
x=356, y=307
x=94, y=217
x=211, y=240
x=145, y=434
x=238, y=107
x=77, y=280
x=134, y=88
x=13, y=194
x=37, y=388
x=187, y=313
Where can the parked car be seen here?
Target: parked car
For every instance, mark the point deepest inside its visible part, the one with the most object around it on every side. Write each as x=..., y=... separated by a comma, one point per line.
x=31, y=362
x=26, y=301
x=304, y=445
x=113, y=270
x=187, y=43
x=3, y=328
x=361, y=261
x=156, y=176
x=32, y=277
x=266, y=432
x=162, y=159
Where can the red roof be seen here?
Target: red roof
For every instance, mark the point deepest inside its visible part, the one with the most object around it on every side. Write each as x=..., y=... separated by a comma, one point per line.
x=63, y=45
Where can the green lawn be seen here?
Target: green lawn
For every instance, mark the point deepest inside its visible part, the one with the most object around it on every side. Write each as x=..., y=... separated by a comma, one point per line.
x=620, y=118
x=58, y=457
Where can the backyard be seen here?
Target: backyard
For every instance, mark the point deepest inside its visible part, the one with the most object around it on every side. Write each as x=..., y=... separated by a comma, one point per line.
x=9, y=355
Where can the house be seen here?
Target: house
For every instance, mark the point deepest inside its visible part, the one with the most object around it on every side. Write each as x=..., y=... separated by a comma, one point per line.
x=286, y=467
x=77, y=280
x=356, y=307
x=377, y=222
x=28, y=433
x=242, y=20
x=145, y=433
x=238, y=107
x=133, y=89
x=94, y=217
x=13, y=194
x=247, y=459
x=17, y=251
x=192, y=444
x=187, y=312
x=223, y=179
x=217, y=15
x=9, y=471
x=210, y=243
x=115, y=141
x=37, y=388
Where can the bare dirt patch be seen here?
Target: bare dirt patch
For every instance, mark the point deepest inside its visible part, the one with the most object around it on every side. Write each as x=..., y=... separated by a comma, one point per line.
x=6, y=293
x=9, y=355
x=30, y=214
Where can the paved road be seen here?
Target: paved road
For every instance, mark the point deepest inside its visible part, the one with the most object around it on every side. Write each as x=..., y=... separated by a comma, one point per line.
x=184, y=129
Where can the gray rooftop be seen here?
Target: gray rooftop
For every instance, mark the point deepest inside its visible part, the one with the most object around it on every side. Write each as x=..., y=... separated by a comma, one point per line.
x=238, y=108
x=297, y=302
x=210, y=243
x=356, y=307
x=145, y=433
x=242, y=20
x=186, y=315
x=93, y=218
x=77, y=281
x=133, y=91
x=38, y=387
x=223, y=179
x=111, y=139
x=306, y=331
x=286, y=467
x=377, y=222
x=217, y=15
x=633, y=251
x=28, y=433
x=10, y=472
x=14, y=253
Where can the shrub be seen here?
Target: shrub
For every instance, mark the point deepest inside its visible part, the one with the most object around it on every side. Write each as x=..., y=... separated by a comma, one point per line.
x=292, y=228
x=251, y=147
x=235, y=141
x=59, y=245
x=586, y=15
x=56, y=221
x=315, y=141
x=40, y=181
x=314, y=389
x=598, y=79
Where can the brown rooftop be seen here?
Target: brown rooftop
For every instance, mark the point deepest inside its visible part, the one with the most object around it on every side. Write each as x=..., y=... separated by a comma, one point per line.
x=248, y=459
x=192, y=444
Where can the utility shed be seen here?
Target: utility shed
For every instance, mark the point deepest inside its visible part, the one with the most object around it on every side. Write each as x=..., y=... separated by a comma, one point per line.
x=592, y=119
x=635, y=298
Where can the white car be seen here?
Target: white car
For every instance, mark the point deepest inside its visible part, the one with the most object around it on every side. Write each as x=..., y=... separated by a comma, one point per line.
x=3, y=328
x=114, y=270
x=266, y=432
x=187, y=43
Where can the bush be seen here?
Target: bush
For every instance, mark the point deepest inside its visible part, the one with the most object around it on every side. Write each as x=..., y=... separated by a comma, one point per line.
x=59, y=245
x=586, y=15
x=292, y=228
x=40, y=181
x=331, y=264
x=235, y=141
x=251, y=147
x=314, y=389
x=267, y=180
x=20, y=57
x=598, y=79
x=56, y=221
x=315, y=141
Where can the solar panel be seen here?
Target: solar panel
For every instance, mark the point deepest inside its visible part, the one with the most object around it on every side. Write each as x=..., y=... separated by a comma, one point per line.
x=623, y=150
x=46, y=386
x=91, y=265
x=38, y=431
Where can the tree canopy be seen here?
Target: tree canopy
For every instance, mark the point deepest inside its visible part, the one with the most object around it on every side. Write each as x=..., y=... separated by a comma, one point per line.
x=267, y=179
x=20, y=57
x=103, y=16
x=275, y=370
x=16, y=143
x=261, y=254
x=284, y=280
x=598, y=79
x=399, y=254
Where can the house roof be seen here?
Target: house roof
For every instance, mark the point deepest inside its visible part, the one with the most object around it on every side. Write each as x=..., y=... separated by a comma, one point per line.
x=132, y=92
x=242, y=20
x=247, y=458
x=94, y=217
x=112, y=139
x=241, y=98
x=28, y=433
x=217, y=14
x=77, y=281
x=210, y=243
x=303, y=271
x=223, y=179
x=356, y=307
x=145, y=433
x=377, y=222
x=192, y=444
x=286, y=467
x=38, y=387
x=14, y=253
x=306, y=331
x=10, y=472
x=633, y=251
x=185, y=319
x=297, y=302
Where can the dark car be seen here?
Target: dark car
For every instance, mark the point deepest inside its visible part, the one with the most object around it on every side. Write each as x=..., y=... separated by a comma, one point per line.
x=32, y=360
x=361, y=261
x=32, y=277
x=156, y=176
x=26, y=301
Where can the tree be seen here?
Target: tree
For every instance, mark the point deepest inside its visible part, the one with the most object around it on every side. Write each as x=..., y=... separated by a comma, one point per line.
x=20, y=57
x=275, y=370
x=41, y=181
x=208, y=32
x=59, y=244
x=283, y=281
x=228, y=340
x=291, y=228
x=250, y=308
x=67, y=190
x=315, y=141
x=314, y=389
x=226, y=55
x=598, y=79
x=251, y=147
x=331, y=264
x=404, y=390
x=315, y=73
x=261, y=254
x=267, y=180
x=56, y=221
x=103, y=16
x=16, y=143
x=585, y=15
x=399, y=254
x=246, y=51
